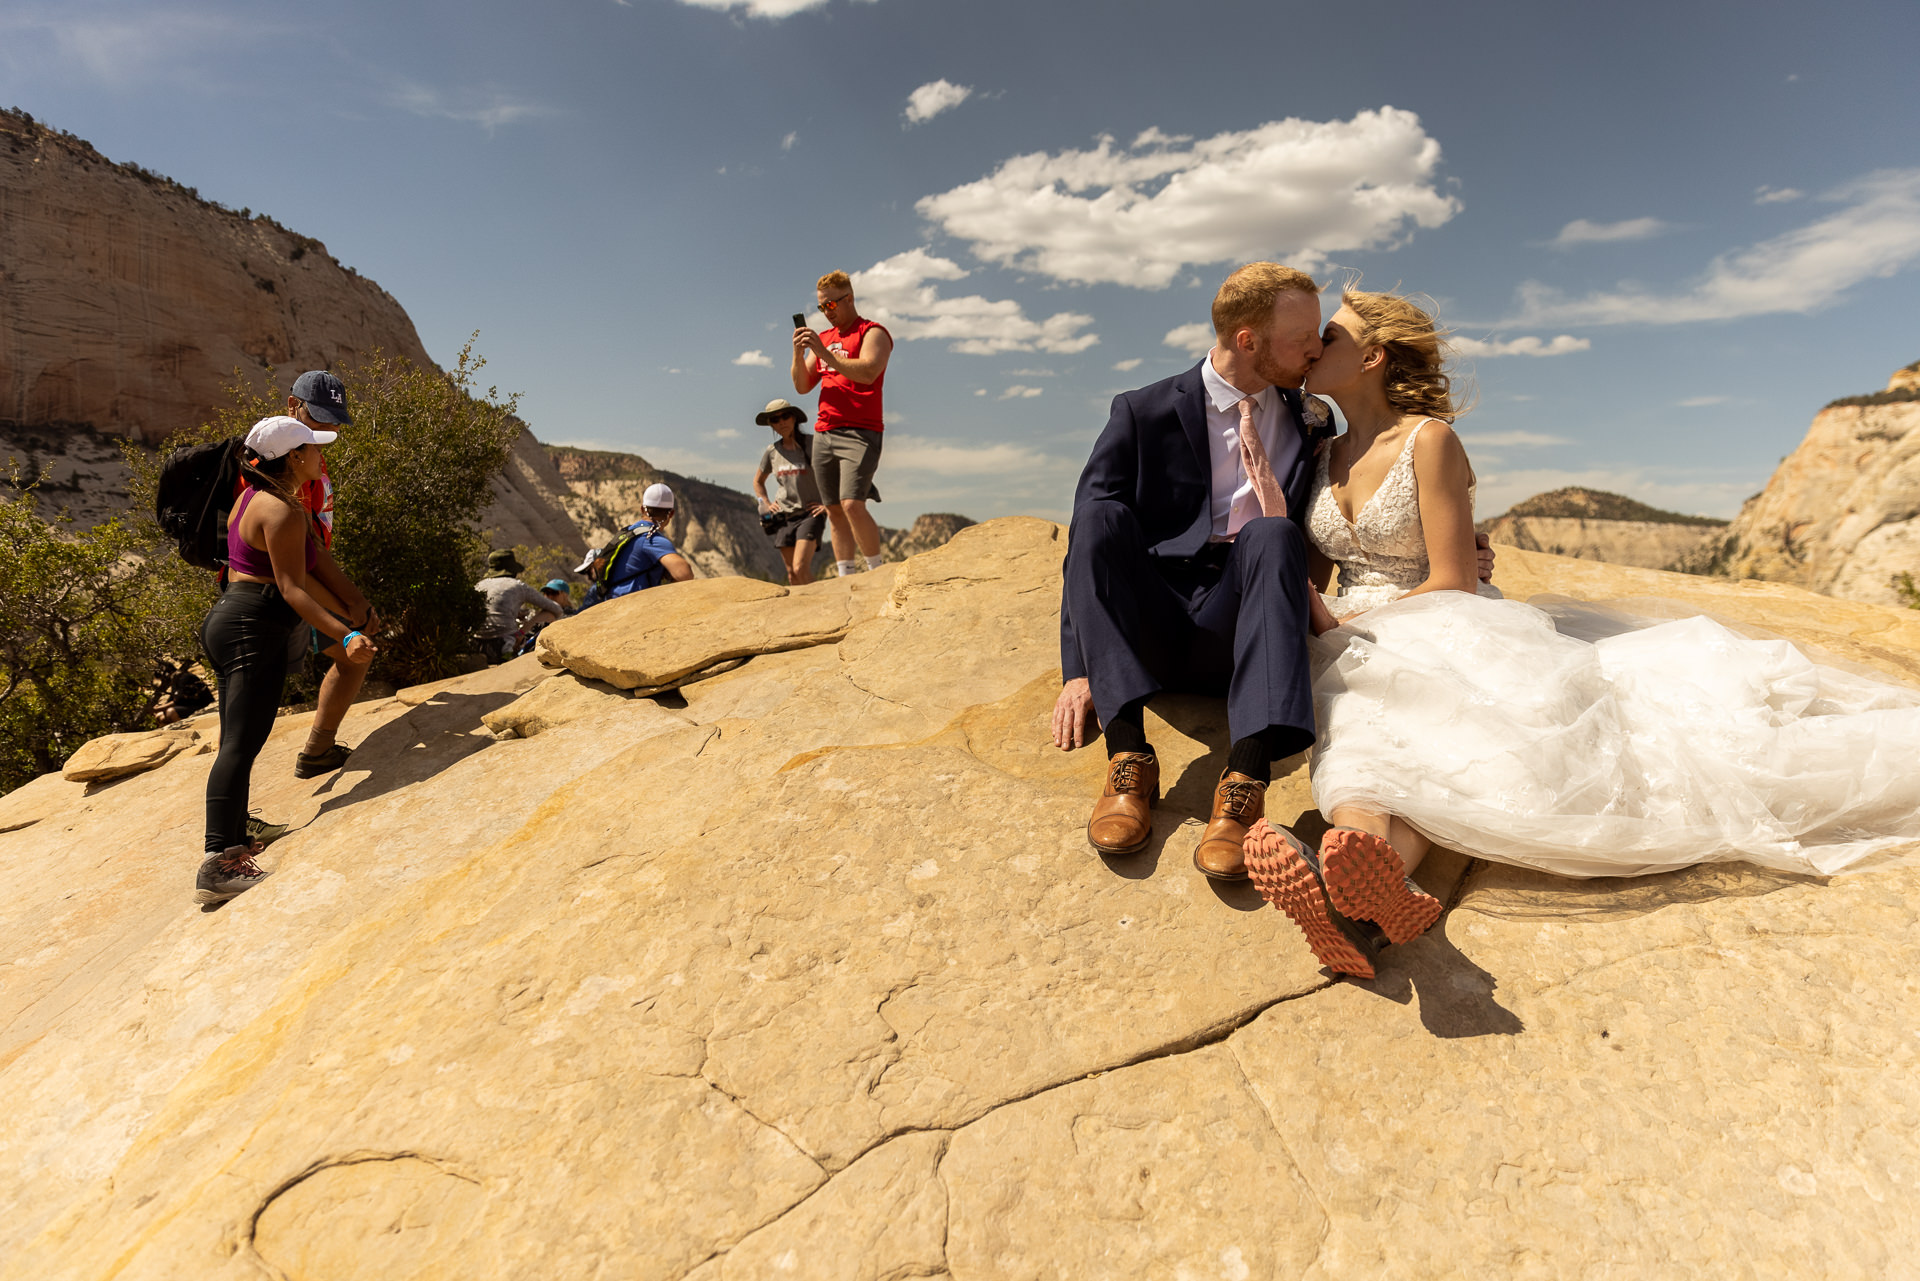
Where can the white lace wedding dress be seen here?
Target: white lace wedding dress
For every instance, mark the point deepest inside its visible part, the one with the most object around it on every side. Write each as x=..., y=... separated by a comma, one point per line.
x=1590, y=740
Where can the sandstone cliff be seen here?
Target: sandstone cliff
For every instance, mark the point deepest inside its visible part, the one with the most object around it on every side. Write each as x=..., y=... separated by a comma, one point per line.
x=1591, y=524
x=805, y=970
x=127, y=302
x=1842, y=513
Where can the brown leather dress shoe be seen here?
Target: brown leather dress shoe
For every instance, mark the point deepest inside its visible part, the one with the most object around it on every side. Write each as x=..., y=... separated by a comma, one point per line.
x=1238, y=803
x=1122, y=821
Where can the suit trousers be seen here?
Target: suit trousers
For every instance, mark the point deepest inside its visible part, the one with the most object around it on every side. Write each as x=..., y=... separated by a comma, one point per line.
x=1232, y=622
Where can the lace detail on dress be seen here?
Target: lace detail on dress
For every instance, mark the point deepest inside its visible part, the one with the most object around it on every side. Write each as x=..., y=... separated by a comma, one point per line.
x=1382, y=553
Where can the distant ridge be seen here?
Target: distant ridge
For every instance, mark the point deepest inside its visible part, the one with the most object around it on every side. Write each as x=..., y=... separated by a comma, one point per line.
x=1598, y=504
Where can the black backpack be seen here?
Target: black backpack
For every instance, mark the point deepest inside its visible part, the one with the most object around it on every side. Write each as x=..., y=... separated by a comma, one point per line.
x=197, y=485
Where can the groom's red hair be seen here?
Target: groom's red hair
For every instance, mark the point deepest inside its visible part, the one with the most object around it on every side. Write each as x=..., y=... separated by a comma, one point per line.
x=1245, y=300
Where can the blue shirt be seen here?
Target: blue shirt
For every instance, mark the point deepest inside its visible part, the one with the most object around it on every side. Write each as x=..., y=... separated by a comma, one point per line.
x=639, y=563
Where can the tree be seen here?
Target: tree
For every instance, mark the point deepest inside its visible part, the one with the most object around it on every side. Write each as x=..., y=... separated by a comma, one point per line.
x=90, y=618
x=411, y=478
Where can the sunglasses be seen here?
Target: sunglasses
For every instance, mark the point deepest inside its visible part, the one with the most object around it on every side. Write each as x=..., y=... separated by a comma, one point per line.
x=828, y=304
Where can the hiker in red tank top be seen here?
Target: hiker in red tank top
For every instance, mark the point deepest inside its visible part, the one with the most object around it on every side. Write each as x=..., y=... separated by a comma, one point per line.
x=848, y=364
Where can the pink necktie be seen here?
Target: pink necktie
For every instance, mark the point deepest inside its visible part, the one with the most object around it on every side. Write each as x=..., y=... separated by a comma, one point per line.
x=1253, y=457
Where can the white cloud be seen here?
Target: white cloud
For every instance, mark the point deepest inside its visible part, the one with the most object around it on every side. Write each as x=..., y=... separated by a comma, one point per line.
x=1510, y=439
x=1701, y=402
x=899, y=293
x=727, y=433
x=1528, y=345
x=920, y=453
x=771, y=9
x=1019, y=392
x=1195, y=339
x=786, y=143
x=934, y=97
x=487, y=109
x=1031, y=373
x=757, y=359
x=1135, y=215
x=1126, y=366
x=150, y=43
x=1776, y=195
x=1876, y=234
x=1582, y=232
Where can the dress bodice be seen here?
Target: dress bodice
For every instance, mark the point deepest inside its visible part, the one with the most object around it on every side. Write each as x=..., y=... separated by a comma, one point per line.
x=1382, y=552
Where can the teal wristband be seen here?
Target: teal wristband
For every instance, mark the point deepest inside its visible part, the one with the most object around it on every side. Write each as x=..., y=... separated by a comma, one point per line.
x=350, y=635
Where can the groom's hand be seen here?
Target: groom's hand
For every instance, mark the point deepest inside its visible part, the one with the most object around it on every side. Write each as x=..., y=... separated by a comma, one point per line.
x=1073, y=720
x=1485, y=550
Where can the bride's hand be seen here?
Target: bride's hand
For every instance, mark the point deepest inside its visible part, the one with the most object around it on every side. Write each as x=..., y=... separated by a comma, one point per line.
x=1320, y=619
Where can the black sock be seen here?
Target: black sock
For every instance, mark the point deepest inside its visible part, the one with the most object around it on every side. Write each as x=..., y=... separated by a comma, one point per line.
x=1250, y=756
x=1127, y=731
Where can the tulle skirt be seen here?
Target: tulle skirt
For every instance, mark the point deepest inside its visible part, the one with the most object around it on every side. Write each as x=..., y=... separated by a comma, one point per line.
x=1590, y=740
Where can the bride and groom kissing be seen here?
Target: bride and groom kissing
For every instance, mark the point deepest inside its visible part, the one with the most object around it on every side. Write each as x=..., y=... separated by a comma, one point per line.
x=1580, y=740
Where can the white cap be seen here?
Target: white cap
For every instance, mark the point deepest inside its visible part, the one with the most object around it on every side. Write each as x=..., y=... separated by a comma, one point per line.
x=658, y=496
x=280, y=435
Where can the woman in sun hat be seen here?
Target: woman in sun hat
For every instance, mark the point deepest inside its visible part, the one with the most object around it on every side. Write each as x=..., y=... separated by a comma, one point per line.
x=272, y=547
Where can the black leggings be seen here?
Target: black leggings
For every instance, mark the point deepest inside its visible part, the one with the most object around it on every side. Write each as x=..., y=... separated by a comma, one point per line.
x=245, y=636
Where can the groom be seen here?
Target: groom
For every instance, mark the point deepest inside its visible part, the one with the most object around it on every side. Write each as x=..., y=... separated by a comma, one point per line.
x=1186, y=565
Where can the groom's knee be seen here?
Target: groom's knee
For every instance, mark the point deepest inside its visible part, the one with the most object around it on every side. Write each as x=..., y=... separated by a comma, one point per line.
x=1274, y=541
x=1103, y=523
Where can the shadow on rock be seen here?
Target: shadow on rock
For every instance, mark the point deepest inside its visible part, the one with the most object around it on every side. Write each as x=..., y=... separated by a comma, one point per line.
x=1456, y=996
x=412, y=748
x=1521, y=894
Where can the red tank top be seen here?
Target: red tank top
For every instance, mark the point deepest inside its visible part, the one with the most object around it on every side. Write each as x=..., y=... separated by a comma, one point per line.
x=844, y=402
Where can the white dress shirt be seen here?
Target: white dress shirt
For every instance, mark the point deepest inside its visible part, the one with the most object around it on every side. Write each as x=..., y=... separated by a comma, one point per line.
x=1233, y=499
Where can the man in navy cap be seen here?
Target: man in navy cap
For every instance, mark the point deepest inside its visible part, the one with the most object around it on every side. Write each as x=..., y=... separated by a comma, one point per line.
x=320, y=401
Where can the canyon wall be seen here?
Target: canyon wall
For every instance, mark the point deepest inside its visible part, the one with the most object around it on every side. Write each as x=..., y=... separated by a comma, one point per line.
x=1841, y=514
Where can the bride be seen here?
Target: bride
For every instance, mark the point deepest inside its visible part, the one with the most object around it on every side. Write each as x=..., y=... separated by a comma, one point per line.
x=1580, y=740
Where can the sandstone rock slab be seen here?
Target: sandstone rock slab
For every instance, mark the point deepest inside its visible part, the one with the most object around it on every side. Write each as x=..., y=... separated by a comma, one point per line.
x=118, y=755
x=657, y=638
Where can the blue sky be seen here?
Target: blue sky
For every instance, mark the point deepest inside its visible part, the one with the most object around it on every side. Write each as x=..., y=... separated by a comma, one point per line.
x=1666, y=233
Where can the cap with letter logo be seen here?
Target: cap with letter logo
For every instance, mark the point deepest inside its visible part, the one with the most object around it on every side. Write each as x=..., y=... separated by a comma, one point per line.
x=326, y=396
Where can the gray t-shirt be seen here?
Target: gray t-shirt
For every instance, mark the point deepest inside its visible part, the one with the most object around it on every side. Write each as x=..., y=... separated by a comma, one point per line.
x=792, y=467
x=505, y=596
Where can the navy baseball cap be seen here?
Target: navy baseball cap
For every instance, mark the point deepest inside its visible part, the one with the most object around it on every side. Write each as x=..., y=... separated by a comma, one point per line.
x=326, y=396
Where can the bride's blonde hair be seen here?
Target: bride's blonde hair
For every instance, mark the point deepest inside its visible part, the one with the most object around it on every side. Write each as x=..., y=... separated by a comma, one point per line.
x=1416, y=379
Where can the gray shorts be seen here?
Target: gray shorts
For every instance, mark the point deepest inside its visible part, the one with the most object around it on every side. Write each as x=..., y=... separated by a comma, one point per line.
x=844, y=460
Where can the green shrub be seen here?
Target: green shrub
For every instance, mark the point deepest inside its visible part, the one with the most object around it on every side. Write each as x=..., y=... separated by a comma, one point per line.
x=90, y=617
x=1904, y=588
x=411, y=478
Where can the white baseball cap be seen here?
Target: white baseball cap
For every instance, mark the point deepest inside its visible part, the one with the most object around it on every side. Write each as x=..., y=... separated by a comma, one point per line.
x=658, y=496
x=280, y=435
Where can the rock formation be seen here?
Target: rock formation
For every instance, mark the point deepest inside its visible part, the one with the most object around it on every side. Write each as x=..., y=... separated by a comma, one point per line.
x=529, y=507
x=805, y=970
x=717, y=529
x=1591, y=524
x=127, y=302
x=1842, y=512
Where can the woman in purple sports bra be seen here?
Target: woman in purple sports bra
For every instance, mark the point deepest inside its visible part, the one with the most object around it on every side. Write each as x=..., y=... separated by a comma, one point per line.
x=271, y=548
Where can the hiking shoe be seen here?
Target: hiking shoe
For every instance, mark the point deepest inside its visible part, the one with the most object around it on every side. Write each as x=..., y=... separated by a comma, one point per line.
x=263, y=833
x=305, y=766
x=228, y=875
x=1366, y=879
x=1287, y=874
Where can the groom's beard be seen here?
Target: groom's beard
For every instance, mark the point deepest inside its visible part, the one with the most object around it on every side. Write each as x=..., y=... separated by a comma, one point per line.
x=1280, y=375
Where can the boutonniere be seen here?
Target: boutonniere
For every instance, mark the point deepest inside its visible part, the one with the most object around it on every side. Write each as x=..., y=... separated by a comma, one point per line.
x=1315, y=413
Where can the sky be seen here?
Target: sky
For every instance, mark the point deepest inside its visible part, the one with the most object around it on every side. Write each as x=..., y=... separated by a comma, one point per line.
x=1663, y=235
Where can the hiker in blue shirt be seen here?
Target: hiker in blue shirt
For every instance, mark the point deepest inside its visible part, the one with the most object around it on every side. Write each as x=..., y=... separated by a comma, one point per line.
x=642, y=556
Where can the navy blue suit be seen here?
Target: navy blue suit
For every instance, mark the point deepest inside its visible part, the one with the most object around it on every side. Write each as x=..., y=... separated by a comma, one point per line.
x=1150, y=604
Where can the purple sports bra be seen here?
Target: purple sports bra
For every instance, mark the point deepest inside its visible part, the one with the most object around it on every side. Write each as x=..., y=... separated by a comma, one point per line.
x=244, y=558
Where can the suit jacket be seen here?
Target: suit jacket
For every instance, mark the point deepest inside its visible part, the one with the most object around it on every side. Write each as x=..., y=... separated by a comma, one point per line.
x=1153, y=457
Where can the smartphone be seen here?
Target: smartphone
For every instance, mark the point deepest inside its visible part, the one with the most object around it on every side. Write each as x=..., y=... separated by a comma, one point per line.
x=799, y=320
